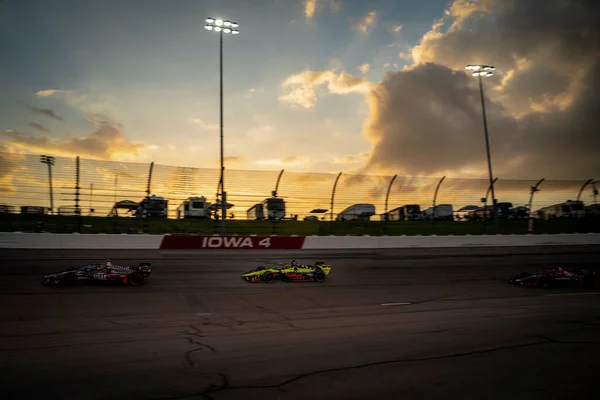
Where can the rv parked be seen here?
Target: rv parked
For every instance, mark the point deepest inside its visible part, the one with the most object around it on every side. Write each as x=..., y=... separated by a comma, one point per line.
x=153, y=207
x=194, y=207
x=408, y=212
x=270, y=208
x=568, y=209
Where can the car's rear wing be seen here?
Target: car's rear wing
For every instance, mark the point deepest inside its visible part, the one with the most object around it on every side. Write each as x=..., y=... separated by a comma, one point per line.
x=144, y=264
x=323, y=266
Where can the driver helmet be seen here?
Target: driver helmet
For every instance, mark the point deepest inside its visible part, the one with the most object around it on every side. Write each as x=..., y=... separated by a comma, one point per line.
x=108, y=264
x=294, y=263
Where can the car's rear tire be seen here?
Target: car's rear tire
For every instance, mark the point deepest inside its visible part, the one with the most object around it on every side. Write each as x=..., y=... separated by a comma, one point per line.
x=135, y=279
x=268, y=277
x=319, y=276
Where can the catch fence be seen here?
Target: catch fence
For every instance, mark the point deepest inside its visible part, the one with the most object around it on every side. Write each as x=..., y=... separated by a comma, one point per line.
x=74, y=186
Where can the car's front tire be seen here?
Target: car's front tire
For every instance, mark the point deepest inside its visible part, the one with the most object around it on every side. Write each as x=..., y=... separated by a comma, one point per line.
x=268, y=277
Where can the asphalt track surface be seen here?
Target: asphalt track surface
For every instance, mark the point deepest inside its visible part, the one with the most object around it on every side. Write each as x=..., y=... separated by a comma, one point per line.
x=197, y=331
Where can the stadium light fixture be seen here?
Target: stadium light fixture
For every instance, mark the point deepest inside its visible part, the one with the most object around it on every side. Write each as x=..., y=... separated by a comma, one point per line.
x=222, y=27
x=481, y=70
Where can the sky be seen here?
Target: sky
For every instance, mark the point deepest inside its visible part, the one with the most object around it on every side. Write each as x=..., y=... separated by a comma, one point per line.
x=374, y=87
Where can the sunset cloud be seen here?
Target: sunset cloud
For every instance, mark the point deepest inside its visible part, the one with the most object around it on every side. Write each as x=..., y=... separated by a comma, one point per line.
x=47, y=112
x=310, y=6
x=364, y=23
x=39, y=127
x=301, y=89
x=364, y=68
x=542, y=106
x=107, y=142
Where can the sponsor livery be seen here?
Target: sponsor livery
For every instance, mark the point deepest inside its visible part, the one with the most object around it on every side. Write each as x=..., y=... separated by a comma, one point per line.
x=292, y=272
x=556, y=277
x=193, y=242
x=97, y=273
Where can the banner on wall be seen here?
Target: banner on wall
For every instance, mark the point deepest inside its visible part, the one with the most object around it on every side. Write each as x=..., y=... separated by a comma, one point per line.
x=197, y=242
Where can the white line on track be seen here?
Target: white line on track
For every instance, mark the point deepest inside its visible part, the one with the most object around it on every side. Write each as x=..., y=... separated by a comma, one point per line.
x=395, y=304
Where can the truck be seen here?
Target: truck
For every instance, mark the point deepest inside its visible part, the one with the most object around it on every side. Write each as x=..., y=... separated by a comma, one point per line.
x=271, y=208
x=194, y=207
x=357, y=212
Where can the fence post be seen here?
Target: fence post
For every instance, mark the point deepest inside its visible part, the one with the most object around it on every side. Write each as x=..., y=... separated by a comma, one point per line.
x=332, y=202
x=387, y=197
x=487, y=193
x=148, y=191
x=77, y=209
x=437, y=189
x=530, y=219
x=583, y=187
x=274, y=193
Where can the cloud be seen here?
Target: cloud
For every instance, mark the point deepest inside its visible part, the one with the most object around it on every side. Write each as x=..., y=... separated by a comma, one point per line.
x=364, y=68
x=395, y=28
x=285, y=161
x=106, y=142
x=48, y=92
x=363, y=24
x=310, y=6
x=11, y=164
x=48, y=112
x=234, y=159
x=204, y=125
x=351, y=158
x=542, y=106
x=97, y=119
x=39, y=127
x=300, y=89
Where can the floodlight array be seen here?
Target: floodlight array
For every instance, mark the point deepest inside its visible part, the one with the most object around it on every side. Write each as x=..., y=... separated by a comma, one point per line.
x=481, y=70
x=219, y=25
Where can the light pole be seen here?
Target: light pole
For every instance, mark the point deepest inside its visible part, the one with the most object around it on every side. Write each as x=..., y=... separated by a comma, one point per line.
x=49, y=160
x=221, y=26
x=487, y=71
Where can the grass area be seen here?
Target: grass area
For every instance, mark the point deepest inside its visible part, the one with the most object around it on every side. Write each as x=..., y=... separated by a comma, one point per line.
x=64, y=224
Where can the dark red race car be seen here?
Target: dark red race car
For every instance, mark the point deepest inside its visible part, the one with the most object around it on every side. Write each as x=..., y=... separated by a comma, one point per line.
x=100, y=273
x=556, y=277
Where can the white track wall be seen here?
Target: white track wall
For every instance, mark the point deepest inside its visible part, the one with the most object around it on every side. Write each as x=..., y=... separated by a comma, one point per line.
x=395, y=242
x=9, y=240
x=61, y=241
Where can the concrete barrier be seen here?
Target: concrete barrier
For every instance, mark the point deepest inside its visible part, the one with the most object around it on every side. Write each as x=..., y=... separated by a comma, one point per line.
x=59, y=241
x=12, y=240
x=398, y=242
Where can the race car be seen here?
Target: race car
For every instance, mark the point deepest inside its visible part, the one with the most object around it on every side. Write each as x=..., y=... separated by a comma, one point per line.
x=556, y=277
x=100, y=273
x=292, y=272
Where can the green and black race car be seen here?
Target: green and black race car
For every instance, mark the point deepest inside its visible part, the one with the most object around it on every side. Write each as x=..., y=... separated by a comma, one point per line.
x=292, y=272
